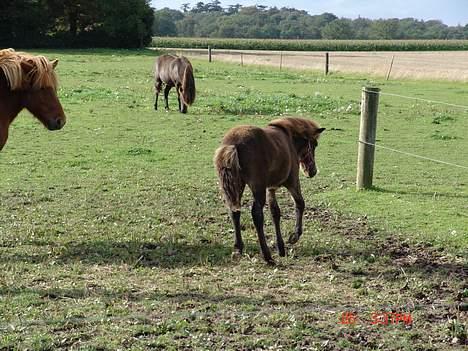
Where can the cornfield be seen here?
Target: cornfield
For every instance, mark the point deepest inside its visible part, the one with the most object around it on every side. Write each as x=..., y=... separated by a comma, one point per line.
x=311, y=45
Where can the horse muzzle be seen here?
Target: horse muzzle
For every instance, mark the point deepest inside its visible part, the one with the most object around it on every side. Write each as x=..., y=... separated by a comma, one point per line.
x=309, y=171
x=56, y=124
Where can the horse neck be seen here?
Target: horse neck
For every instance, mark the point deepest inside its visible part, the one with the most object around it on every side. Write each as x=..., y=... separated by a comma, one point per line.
x=10, y=106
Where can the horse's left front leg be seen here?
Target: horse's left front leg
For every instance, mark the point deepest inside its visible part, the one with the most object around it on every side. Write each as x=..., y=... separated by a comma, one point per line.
x=166, y=96
x=295, y=191
x=158, y=90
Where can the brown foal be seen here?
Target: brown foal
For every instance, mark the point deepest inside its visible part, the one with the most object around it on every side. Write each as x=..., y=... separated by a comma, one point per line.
x=266, y=159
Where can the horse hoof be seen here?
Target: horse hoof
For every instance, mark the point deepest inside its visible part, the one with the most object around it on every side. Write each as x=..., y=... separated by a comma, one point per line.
x=293, y=239
x=270, y=262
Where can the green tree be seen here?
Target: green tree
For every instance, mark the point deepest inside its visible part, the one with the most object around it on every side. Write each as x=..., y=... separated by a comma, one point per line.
x=338, y=29
x=165, y=22
x=384, y=29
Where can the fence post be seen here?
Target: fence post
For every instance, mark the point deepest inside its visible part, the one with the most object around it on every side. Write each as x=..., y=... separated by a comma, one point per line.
x=281, y=61
x=209, y=53
x=390, y=69
x=242, y=59
x=327, y=62
x=367, y=134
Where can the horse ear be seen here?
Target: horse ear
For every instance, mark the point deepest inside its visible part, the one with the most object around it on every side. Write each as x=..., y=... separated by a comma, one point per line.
x=54, y=63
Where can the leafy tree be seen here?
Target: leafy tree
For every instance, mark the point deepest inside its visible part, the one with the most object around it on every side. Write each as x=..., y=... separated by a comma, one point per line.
x=165, y=22
x=384, y=29
x=338, y=29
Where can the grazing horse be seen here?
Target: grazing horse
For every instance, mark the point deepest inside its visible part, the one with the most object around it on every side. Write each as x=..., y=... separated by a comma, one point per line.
x=266, y=159
x=177, y=72
x=30, y=82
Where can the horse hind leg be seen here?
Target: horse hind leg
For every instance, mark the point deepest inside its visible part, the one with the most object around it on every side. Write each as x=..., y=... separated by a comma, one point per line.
x=238, y=243
x=276, y=215
x=258, y=219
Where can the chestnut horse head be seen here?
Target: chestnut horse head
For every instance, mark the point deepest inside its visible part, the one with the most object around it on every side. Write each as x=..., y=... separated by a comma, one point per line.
x=305, y=134
x=30, y=82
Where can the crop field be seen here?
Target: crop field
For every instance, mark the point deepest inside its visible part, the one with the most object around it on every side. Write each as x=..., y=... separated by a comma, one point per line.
x=310, y=45
x=113, y=235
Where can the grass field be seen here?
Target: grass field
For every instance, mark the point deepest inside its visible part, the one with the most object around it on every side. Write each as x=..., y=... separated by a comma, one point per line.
x=113, y=235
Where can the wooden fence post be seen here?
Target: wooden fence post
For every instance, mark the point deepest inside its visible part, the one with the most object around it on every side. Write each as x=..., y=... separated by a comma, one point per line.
x=281, y=61
x=242, y=59
x=367, y=134
x=390, y=69
x=209, y=53
x=327, y=62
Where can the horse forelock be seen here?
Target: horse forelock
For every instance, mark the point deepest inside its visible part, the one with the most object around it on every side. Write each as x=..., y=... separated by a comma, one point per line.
x=41, y=74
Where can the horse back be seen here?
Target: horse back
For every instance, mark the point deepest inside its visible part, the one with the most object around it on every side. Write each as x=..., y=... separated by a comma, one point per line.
x=266, y=155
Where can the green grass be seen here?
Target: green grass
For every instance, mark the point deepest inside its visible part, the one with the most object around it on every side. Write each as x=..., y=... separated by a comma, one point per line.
x=113, y=234
x=310, y=45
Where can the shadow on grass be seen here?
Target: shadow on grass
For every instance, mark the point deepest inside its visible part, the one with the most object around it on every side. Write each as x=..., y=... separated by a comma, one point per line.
x=419, y=193
x=132, y=253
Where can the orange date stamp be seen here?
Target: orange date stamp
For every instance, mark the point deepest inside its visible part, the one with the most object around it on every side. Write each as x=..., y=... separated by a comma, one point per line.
x=378, y=318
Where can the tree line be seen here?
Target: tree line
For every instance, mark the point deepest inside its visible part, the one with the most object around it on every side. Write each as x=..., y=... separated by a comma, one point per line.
x=236, y=21
x=75, y=23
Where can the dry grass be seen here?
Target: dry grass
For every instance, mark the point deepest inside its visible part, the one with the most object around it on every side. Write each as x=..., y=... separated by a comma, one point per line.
x=447, y=65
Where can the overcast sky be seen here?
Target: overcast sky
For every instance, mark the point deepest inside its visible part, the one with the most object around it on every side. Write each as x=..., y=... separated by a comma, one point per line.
x=451, y=12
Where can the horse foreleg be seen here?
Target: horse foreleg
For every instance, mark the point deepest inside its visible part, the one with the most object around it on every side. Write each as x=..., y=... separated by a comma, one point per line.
x=295, y=192
x=276, y=215
x=166, y=96
x=257, y=216
x=158, y=90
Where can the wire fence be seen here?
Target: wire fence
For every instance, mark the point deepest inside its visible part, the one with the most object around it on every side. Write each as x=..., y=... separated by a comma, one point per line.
x=388, y=64
x=407, y=153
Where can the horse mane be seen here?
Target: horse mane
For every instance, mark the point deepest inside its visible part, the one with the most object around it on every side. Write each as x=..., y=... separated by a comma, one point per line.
x=40, y=75
x=298, y=127
x=188, y=82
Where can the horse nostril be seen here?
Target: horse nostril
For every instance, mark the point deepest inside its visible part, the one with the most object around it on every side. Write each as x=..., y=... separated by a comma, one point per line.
x=60, y=123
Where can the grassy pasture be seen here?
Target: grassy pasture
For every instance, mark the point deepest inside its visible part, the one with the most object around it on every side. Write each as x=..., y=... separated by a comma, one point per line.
x=113, y=235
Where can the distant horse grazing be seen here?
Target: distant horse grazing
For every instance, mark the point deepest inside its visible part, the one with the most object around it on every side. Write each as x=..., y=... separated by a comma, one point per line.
x=176, y=72
x=266, y=159
x=29, y=82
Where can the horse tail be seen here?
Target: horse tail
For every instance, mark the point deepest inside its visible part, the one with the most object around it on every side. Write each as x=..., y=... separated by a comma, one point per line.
x=188, y=85
x=226, y=161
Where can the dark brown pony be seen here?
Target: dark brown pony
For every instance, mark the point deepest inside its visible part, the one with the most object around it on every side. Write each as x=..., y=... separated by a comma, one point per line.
x=266, y=159
x=29, y=82
x=177, y=72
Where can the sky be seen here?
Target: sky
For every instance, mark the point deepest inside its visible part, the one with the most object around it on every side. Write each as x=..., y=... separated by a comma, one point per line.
x=451, y=12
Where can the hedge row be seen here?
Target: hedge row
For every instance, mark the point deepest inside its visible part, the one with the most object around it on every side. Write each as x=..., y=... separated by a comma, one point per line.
x=311, y=45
